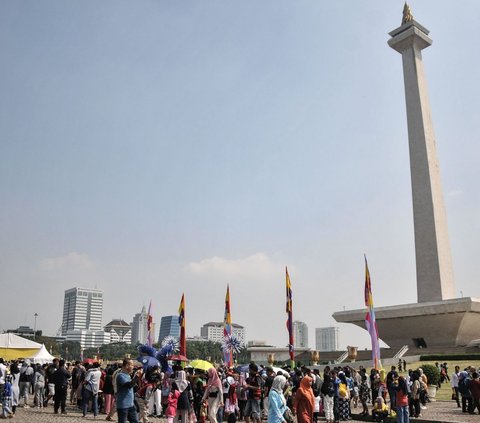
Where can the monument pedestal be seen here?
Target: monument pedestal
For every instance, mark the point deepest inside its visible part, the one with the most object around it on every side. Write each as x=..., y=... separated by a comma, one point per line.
x=447, y=323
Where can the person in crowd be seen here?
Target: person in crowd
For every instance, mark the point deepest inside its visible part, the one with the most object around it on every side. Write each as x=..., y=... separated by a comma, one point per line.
x=185, y=398
x=78, y=376
x=392, y=376
x=39, y=386
x=125, y=395
x=343, y=397
x=171, y=410
x=380, y=410
x=26, y=379
x=414, y=409
x=231, y=402
x=213, y=394
x=3, y=374
x=475, y=391
x=364, y=394
x=242, y=395
x=304, y=401
x=50, y=380
x=254, y=385
x=15, y=372
x=401, y=400
x=7, y=396
x=454, y=384
x=108, y=392
x=61, y=377
x=464, y=389
x=91, y=386
x=328, y=391
x=276, y=400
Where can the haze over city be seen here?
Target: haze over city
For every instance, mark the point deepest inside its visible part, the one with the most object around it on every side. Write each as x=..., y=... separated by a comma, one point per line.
x=166, y=148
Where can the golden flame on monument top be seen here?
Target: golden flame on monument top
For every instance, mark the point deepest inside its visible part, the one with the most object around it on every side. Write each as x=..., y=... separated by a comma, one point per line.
x=407, y=14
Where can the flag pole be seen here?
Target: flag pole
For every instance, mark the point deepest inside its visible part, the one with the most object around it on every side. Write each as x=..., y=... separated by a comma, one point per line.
x=181, y=322
x=370, y=322
x=289, y=309
x=227, y=329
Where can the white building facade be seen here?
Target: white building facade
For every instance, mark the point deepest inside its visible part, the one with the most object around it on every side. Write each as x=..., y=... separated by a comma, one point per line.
x=213, y=331
x=82, y=317
x=139, y=327
x=300, y=334
x=326, y=339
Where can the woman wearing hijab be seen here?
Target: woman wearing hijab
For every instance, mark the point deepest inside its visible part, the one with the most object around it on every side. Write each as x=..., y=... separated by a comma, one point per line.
x=214, y=394
x=304, y=401
x=183, y=404
x=277, y=404
x=15, y=372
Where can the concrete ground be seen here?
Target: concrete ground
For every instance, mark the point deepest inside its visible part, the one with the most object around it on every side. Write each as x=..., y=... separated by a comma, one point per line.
x=439, y=411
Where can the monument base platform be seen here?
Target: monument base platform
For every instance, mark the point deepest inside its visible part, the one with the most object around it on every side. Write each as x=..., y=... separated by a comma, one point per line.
x=448, y=323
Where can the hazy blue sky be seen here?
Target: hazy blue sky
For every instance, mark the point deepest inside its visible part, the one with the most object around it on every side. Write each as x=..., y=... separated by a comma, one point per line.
x=152, y=148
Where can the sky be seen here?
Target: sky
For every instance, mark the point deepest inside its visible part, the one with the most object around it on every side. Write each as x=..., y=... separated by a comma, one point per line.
x=154, y=148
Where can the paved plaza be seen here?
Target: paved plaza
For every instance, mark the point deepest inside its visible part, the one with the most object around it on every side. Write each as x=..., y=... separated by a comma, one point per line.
x=440, y=411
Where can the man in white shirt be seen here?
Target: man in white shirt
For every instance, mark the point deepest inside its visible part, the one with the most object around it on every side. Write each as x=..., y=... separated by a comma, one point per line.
x=454, y=383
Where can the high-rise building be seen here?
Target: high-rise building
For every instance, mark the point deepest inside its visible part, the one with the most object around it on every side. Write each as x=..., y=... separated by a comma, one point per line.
x=82, y=309
x=213, y=331
x=300, y=334
x=82, y=317
x=326, y=339
x=139, y=327
x=169, y=326
x=119, y=330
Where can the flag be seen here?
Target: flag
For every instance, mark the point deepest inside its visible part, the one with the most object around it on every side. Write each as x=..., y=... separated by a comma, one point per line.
x=227, y=329
x=150, y=325
x=181, y=323
x=370, y=322
x=289, y=309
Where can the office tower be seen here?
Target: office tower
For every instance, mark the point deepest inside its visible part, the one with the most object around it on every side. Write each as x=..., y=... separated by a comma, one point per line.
x=139, y=327
x=300, y=334
x=82, y=309
x=326, y=339
x=169, y=326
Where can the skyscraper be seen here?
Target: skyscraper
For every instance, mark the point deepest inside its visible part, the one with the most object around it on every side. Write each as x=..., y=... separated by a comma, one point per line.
x=82, y=309
x=139, y=327
x=169, y=326
x=326, y=339
x=300, y=334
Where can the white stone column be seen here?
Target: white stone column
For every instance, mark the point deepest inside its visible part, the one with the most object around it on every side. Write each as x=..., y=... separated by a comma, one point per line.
x=432, y=248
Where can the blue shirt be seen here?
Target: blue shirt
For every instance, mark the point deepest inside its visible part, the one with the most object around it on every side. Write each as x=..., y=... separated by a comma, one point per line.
x=124, y=393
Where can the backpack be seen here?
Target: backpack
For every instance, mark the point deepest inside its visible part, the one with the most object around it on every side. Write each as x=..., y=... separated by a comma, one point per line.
x=463, y=387
x=342, y=391
x=114, y=381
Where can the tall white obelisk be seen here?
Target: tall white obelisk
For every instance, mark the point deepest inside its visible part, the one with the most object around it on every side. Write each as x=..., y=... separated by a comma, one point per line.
x=432, y=248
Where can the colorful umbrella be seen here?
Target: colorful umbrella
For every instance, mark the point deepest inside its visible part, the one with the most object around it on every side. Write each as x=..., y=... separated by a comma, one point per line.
x=201, y=365
x=178, y=357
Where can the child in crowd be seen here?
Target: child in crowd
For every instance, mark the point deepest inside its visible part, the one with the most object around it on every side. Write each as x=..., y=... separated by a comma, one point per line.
x=171, y=410
x=380, y=410
x=7, y=398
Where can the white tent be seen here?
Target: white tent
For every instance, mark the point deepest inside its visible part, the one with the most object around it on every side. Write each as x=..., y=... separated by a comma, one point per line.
x=42, y=356
x=13, y=346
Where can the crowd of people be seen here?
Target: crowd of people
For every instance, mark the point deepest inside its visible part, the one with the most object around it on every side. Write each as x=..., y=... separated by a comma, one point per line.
x=250, y=393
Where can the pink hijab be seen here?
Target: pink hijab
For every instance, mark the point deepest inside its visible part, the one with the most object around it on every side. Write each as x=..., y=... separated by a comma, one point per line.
x=213, y=379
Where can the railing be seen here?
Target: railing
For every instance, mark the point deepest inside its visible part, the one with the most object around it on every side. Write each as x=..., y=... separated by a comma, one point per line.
x=342, y=358
x=401, y=352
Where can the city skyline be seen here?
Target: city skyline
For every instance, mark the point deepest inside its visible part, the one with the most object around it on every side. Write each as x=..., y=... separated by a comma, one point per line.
x=157, y=149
